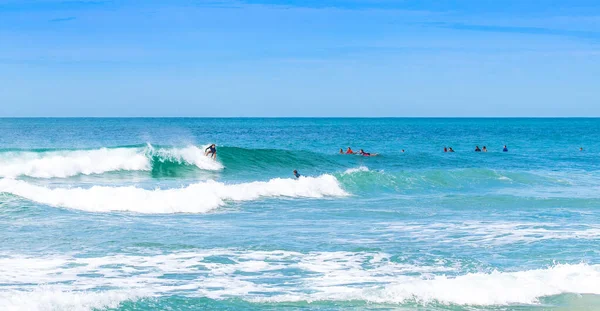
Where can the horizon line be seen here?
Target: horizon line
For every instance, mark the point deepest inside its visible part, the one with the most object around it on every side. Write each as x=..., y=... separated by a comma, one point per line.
x=299, y=117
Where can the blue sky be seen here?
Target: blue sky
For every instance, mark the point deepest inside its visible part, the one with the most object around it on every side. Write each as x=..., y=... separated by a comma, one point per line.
x=300, y=58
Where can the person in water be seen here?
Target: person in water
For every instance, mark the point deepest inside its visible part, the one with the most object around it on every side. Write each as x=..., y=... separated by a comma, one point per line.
x=580, y=148
x=211, y=151
x=484, y=149
x=445, y=149
x=349, y=151
x=450, y=149
x=296, y=174
x=477, y=149
x=505, y=149
x=366, y=154
x=402, y=150
x=341, y=151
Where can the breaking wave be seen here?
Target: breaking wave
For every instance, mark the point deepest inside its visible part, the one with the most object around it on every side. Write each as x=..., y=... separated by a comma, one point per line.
x=196, y=198
x=66, y=163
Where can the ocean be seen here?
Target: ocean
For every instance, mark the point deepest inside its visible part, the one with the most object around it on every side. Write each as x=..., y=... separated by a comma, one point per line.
x=128, y=214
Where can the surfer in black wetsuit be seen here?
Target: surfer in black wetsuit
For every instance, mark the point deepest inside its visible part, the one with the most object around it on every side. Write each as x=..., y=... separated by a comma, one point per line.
x=211, y=151
x=477, y=149
x=297, y=174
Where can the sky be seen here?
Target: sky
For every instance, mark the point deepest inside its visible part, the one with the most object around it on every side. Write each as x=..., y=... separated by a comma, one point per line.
x=321, y=58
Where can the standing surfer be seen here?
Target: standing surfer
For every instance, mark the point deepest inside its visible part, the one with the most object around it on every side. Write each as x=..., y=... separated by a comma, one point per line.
x=211, y=151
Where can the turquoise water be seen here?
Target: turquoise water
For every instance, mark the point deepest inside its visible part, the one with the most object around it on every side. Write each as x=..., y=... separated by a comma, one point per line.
x=128, y=214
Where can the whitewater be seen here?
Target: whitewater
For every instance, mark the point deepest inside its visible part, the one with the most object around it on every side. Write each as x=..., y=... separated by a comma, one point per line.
x=129, y=214
x=66, y=163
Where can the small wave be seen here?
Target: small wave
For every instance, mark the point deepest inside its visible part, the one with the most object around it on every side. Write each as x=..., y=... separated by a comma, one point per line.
x=52, y=298
x=196, y=198
x=474, y=289
x=356, y=170
x=67, y=163
x=373, y=277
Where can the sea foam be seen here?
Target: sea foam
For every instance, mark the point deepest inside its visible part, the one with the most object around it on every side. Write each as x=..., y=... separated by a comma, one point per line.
x=195, y=198
x=320, y=276
x=66, y=163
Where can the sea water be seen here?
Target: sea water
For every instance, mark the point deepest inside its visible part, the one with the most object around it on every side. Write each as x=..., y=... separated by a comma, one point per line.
x=129, y=214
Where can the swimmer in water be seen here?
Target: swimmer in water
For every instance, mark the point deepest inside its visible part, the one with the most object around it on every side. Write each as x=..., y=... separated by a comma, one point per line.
x=477, y=149
x=211, y=151
x=296, y=174
x=445, y=149
x=341, y=151
x=402, y=150
x=580, y=148
x=484, y=149
x=349, y=151
x=505, y=149
x=450, y=149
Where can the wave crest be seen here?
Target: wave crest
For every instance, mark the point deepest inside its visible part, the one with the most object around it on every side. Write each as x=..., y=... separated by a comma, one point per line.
x=196, y=198
x=67, y=163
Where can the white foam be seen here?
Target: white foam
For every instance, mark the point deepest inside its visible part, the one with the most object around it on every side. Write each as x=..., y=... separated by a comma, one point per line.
x=70, y=163
x=81, y=282
x=196, y=198
x=191, y=155
x=51, y=298
x=356, y=170
x=66, y=163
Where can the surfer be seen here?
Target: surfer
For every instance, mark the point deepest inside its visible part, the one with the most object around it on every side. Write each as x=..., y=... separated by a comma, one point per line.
x=211, y=151
x=366, y=154
x=445, y=149
x=341, y=151
x=505, y=149
x=450, y=149
x=349, y=151
x=297, y=174
x=477, y=149
x=484, y=149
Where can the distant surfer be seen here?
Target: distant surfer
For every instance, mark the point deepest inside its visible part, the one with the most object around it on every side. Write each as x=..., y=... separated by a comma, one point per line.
x=211, y=151
x=450, y=149
x=484, y=149
x=477, y=149
x=341, y=151
x=349, y=151
x=505, y=149
x=445, y=149
x=366, y=154
x=297, y=174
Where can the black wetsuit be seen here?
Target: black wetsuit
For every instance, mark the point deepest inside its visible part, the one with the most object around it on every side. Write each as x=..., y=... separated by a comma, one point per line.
x=211, y=150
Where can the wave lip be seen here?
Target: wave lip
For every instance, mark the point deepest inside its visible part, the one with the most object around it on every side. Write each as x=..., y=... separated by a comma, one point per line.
x=67, y=163
x=190, y=155
x=196, y=198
